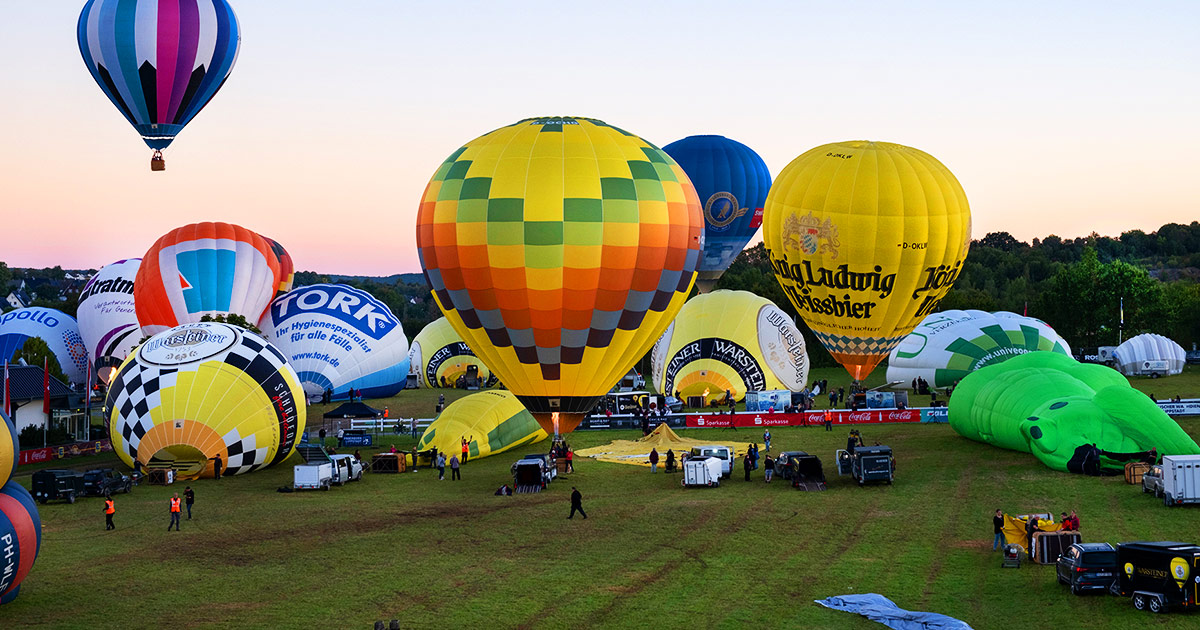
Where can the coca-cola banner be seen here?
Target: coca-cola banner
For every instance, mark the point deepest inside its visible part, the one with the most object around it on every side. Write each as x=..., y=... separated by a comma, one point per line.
x=808, y=418
x=35, y=455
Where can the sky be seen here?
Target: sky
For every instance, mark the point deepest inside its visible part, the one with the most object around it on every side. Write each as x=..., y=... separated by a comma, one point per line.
x=1057, y=117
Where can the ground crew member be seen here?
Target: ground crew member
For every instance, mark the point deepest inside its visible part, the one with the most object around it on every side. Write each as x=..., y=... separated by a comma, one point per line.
x=465, y=448
x=828, y=420
x=109, y=509
x=217, y=465
x=189, y=497
x=174, y=512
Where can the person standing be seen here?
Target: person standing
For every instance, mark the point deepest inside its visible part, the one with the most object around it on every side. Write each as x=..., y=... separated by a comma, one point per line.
x=217, y=467
x=570, y=460
x=110, y=508
x=413, y=427
x=441, y=466
x=998, y=526
x=175, y=510
x=746, y=465
x=768, y=468
x=454, y=474
x=1031, y=527
x=576, y=503
x=670, y=461
x=754, y=457
x=828, y=420
x=767, y=440
x=1074, y=521
x=832, y=398
x=465, y=447
x=189, y=497
x=653, y=460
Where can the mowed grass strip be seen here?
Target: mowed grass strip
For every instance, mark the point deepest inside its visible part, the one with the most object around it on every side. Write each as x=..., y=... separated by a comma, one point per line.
x=435, y=553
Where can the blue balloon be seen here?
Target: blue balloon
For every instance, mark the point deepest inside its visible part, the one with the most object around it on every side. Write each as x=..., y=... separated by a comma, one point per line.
x=732, y=182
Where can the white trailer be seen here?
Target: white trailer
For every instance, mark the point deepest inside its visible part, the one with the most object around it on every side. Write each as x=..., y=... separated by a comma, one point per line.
x=313, y=476
x=1180, y=479
x=701, y=471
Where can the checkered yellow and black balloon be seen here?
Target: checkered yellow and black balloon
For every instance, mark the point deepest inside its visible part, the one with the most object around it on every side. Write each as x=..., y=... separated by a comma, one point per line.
x=560, y=249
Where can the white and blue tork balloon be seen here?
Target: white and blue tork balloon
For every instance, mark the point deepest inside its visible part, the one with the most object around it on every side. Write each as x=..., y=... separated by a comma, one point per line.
x=340, y=338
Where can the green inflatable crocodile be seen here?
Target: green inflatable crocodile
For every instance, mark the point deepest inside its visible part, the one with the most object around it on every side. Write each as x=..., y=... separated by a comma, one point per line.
x=1073, y=416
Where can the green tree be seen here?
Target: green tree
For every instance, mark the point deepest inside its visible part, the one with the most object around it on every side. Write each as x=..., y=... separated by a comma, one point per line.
x=35, y=351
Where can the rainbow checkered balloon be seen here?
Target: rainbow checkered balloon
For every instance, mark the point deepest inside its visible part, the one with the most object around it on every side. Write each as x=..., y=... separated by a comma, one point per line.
x=560, y=249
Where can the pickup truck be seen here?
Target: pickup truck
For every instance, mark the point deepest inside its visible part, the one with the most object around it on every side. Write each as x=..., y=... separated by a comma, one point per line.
x=346, y=468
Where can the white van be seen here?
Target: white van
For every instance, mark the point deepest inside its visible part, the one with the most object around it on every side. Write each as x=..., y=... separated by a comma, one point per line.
x=718, y=451
x=346, y=468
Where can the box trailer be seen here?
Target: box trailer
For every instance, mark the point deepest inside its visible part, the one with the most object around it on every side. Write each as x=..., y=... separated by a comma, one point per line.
x=1180, y=479
x=701, y=471
x=1158, y=576
x=313, y=476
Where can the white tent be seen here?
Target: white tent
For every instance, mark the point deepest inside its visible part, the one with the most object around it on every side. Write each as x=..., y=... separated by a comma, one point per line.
x=1149, y=354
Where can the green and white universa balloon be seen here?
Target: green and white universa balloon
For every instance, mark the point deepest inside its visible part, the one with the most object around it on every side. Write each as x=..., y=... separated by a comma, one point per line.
x=947, y=346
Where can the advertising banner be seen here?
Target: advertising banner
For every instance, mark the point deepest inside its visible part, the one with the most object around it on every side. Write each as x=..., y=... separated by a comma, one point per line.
x=35, y=455
x=808, y=418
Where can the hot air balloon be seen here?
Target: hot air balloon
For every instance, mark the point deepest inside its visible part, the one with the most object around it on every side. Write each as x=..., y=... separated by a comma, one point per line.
x=732, y=181
x=731, y=341
x=205, y=390
x=20, y=538
x=1149, y=354
x=560, y=249
x=205, y=269
x=947, y=346
x=107, y=320
x=439, y=356
x=10, y=449
x=340, y=338
x=287, y=268
x=159, y=61
x=865, y=238
x=492, y=422
x=59, y=330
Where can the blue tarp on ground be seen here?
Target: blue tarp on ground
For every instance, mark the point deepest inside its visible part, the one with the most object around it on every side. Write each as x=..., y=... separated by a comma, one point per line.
x=879, y=608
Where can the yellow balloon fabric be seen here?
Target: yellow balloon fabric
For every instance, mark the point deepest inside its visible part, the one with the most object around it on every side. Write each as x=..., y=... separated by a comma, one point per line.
x=560, y=248
x=729, y=340
x=439, y=352
x=865, y=238
x=492, y=422
x=205, y=390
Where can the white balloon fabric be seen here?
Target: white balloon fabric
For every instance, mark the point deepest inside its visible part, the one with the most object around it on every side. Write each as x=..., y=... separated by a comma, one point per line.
x=59, y=330
x=1149, y=354
x=108, y=322
x=340, y=338
x=947, y=346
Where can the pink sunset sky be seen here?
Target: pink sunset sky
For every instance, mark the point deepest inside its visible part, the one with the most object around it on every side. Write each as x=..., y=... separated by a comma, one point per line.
x=1063, y=118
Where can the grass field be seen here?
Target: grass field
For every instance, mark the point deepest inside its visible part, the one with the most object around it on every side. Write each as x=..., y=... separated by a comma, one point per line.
x=449, y=554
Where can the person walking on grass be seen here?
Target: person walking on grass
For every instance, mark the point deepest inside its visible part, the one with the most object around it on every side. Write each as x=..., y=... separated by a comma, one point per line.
x=189, y=497
x=768, y=468
x=454, y=474
x=175, y=510
x=110, y=508
x=767, y=440
x=998, y=526
x=746, y=464
x=576, y=503
x=653, y=460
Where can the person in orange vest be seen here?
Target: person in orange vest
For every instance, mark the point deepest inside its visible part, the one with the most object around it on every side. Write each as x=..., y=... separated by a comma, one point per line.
x=109, y=509
x=175, y=508
x=465, y=448
x=828, y=420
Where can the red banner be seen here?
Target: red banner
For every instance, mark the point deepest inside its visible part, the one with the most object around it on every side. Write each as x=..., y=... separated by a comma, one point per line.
x=808, y=418
x=35, y=455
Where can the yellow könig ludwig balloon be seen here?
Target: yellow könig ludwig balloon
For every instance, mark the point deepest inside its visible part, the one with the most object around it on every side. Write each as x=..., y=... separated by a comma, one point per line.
x=865, y=238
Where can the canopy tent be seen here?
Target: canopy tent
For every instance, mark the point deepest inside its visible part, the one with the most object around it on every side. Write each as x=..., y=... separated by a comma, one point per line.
x=353, y=410
x=637, y=452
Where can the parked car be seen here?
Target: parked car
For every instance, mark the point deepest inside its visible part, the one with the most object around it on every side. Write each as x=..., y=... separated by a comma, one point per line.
x=54, y=484
x=1087, y=567
x=103, y=481
x=1156, y=575
x=1152, y=481
x=722, y=453
x=346, y=468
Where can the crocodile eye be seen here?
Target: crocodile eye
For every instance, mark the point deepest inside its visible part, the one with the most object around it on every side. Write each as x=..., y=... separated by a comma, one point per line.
x=1036, y=433
x=1032, y=418
x=1058, y=405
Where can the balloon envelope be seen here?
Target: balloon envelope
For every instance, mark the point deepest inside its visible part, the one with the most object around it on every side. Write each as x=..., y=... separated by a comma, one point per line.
x=947, y=346
x=159, y=61
x=200, y=391
x=341, y=338
x=205, y=269
x=107, y=319
x=732, y=182
x=865, y=238
x=439, y=354
x=560, y=249
x=10, y=449
x=59, y=330
x=1149, y=354
x=492, y=422
x=21, y=535
x=730, y=341
x=287, y=268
